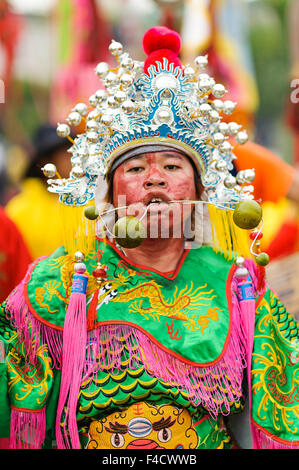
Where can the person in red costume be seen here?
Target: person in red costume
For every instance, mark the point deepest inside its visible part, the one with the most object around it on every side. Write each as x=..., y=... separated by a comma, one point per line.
x=14, y=256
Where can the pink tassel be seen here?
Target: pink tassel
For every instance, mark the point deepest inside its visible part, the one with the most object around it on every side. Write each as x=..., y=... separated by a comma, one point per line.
x=268, y=441
x=27, y=429
x=73, y=358
x=246, y=296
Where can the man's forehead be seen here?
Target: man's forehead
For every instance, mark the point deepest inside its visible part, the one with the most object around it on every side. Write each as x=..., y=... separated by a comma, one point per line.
x=155, y=155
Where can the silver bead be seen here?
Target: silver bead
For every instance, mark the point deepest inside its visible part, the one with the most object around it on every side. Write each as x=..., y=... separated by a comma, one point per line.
x=111, y=102
x=49, y=170
x=102, y=69
x=106, y=119
x=127, y=63
x=221, y=166
x=242, y=137
x=223, y=128
x=240, y=261
x=83, y=152
x=218, y=105
x=92, y=137
x=229, y=182
x=241, y=273
x=189, y=73
x=213, y=116
x=233, y=128
x=115, y=48
x=164, y=116
x=79, y=256
x=225, y=147
x=80, y=268
x=92, y=125
x=218, y=138
x=201, y=62
x=74, y=118
x=218, y=90
x=120, y=96
x=63, y=130
x=249, y=175
x=204, y=109
x=81, y=108
x=93, y=100
x=101, y=96
x=204, y=86
x=126, y=80
x=128, y=106
x=93, y=115
x=111, y=79
x=77, y=172
x=240, y=177
x=229, y=107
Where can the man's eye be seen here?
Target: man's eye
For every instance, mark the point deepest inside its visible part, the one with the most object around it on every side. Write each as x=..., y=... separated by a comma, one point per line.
x=172, y=167
x=136, y=169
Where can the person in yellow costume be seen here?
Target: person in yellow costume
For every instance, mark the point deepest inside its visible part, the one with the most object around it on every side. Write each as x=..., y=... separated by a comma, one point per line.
x=35, y=210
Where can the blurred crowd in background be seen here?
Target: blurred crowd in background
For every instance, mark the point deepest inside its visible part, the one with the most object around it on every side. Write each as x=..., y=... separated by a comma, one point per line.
x=48, y=53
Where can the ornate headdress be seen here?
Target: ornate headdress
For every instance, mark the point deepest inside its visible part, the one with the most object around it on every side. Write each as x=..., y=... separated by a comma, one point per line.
x=156, y=102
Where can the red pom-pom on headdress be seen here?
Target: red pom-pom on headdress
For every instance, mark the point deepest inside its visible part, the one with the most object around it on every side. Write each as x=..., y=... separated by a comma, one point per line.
x=159, y=43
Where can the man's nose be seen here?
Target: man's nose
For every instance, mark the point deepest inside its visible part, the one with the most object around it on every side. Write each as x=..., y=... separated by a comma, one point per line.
x=155, y=178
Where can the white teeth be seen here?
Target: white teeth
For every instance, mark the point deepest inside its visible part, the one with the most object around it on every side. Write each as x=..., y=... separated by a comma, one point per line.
x=155, y=199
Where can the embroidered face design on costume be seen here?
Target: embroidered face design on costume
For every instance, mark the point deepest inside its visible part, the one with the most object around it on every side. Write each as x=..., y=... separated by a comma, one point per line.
x=144, y=427
x=148, y=181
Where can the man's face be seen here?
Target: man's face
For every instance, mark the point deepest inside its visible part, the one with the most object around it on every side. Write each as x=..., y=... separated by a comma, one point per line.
x=146, y=184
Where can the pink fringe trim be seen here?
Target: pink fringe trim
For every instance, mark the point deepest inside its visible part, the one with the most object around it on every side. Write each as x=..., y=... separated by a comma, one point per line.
x=74, y=355
x=27, y=429
x=31, y=331
x=263, y=441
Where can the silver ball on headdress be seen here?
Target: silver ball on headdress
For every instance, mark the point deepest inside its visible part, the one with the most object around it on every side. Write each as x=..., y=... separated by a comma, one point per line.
x=120, y=96
x=164, y=115
x=126, y=62
x=111, y=79
x=128, y=106
x=218, y=90
x=204, y=86
x=249, y=175
x=223, y=128
x=229, y=107
x=106, y=119
x=189, y=72
x=115, y=48
x=79, y=256
x=83, y=152
x=93, y=100
x=111, y=102
x=101, y=96
x=92, y=137
x=204, y=109
x=240, y=177
x=242, y=137
x=77, y=172
x=92, y=125
x=225, y=147
x=221, y=166
x=49, y=170
x=214, y=116
x=74, y=118
x=102, y=69
x=218, y=105
x=126, y=80
x=230, y=182
x=233, y=128
x=201, y=62
x=81, y=108
x=63, y=130
x=93, y=115
x=218, y=138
